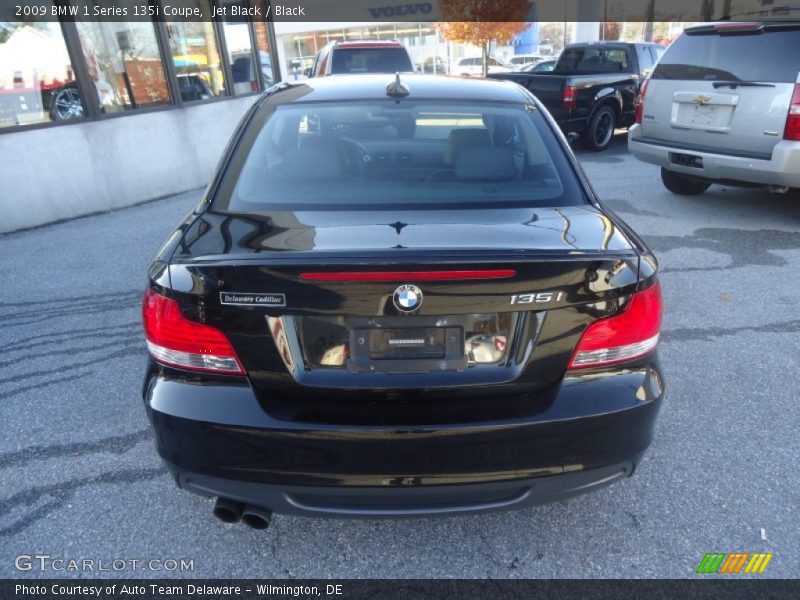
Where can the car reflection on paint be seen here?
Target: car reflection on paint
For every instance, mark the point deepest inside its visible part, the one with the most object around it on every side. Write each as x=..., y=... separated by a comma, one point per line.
x=483, y=348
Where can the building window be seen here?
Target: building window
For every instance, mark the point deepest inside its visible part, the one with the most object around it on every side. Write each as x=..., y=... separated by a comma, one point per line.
x=43, y=64
x=262, y=41
x=195, y=55
x=244, y=69
x=37, y=81
x=124, y=64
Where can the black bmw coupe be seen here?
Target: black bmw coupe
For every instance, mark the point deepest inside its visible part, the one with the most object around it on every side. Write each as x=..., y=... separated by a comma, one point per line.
x=400, y=297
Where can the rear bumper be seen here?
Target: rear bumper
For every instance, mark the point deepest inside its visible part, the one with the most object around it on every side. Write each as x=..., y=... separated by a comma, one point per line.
x=399, y=501
x=782, y=168
x=572, y=125
x=218, y=440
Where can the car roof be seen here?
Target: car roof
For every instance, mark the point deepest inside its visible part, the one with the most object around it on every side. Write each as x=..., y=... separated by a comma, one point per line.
x=610, y=44
x=373, y=87
x=369, y=44
x=766, y=23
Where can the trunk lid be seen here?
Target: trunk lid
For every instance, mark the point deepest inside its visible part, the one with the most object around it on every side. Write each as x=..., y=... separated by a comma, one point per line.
x=505, y=294
x=316, y=235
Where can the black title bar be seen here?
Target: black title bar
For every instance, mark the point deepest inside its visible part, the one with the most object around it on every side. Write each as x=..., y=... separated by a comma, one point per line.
x=348, y=589
x=398, y=10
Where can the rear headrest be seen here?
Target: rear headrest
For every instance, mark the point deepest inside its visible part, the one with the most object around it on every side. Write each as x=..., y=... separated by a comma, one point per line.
x=485, y=163
x=319, y=141
x=312, y=164
x=464, y=138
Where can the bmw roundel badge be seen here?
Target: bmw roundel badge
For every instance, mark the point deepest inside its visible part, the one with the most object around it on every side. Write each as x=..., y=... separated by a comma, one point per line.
x=407, y=298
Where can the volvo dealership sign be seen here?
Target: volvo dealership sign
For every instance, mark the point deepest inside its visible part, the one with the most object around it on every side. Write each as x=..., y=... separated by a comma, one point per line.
x=416, y=10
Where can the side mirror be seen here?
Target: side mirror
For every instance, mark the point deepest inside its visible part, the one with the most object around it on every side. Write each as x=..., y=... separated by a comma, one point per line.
x=307, y=72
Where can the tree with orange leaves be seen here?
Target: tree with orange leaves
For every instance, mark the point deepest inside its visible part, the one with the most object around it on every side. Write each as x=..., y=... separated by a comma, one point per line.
x=477, y=22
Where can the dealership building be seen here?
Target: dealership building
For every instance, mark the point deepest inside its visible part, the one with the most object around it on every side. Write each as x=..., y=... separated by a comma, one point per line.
x=100, y=115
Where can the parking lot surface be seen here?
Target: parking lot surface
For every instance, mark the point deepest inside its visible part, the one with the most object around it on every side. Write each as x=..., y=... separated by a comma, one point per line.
x=80, y=479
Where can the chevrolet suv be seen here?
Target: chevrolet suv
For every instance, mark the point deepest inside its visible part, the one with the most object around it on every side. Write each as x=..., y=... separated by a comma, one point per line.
x=723, y=106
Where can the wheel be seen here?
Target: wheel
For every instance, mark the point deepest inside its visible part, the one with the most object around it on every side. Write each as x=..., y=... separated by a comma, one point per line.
x=66, y=104
x=682, y=184
x=600, y=131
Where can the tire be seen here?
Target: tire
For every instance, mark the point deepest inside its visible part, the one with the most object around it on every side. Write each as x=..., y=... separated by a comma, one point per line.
x=683, y=185
x=600, y=130
x=67, y=104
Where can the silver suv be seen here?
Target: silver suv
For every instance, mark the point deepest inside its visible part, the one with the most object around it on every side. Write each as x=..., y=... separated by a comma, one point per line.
x=723, y=106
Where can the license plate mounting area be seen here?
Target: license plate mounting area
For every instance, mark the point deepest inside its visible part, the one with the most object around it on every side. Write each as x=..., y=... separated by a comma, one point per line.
x=406, y=344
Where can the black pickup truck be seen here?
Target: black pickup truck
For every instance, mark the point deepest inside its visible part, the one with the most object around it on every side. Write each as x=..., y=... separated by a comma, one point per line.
x=593, y=87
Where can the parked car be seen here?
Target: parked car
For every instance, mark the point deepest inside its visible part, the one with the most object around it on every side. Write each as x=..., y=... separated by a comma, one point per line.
x=541, y=67
x=723, y=106
x=435, y=64
x=350, y=58
x=473, y=66
x=592, y=89
x=546, y=50
x=521, y=60
x=359, y=321
x=194, y=86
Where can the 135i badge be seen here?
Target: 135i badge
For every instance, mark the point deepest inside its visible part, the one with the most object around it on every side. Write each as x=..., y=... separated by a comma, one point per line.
x=537, y=297
x=251, y=299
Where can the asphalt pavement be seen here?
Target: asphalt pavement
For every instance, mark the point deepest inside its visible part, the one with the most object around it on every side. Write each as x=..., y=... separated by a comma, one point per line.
x=80, y=479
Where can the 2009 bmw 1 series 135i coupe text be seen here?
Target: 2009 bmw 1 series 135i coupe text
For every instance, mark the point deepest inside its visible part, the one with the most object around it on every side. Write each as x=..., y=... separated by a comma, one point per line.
x=400, y=298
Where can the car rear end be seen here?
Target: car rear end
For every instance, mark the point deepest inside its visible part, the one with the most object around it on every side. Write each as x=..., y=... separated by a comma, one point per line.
x=349, y=58
x=723, y=105
x=452, y=325
x=553, y=90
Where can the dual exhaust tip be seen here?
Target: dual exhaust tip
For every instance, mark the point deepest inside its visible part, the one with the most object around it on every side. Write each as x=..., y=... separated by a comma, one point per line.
x=231, y=511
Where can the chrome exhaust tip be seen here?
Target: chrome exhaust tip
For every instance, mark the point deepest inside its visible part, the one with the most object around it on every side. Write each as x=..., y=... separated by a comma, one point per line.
x=228, y=511
x=256, y=517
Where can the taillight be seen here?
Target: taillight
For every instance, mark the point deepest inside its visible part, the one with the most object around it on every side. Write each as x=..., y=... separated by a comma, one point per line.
x=631, y=334
x=570, y=97
x=792, y=131
x=175, y=341
x=639, y=105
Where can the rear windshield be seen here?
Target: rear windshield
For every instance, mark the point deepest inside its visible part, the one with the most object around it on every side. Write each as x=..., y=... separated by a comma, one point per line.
x=370, y=60
x=389, y=154
x=768, y=56
x=592, y=60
